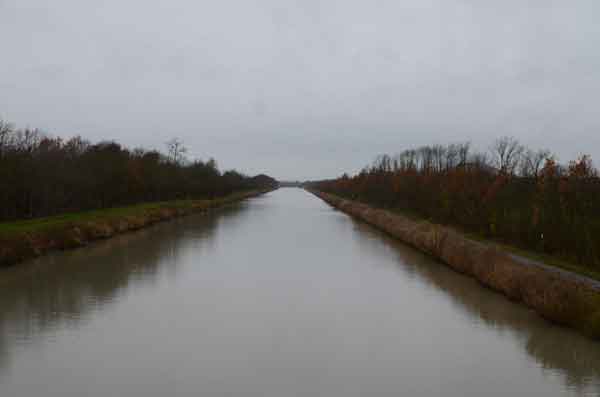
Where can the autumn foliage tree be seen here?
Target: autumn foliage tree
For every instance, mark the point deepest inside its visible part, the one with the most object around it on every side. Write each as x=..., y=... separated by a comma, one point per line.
x=509, y=193
x=42, y=175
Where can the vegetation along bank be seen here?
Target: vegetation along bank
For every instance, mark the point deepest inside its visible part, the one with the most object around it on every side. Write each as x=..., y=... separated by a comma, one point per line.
x=514, y=218
x=23, y=240
x=560, y=296
x=63, y=193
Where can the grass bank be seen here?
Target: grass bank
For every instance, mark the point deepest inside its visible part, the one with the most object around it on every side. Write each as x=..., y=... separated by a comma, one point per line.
x=21, y=240
x=561, y=296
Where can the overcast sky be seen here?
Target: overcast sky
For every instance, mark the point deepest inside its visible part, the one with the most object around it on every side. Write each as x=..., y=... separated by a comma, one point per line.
x=308, y=88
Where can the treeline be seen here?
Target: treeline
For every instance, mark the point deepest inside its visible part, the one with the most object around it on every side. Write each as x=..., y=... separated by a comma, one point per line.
x=509, y=193
x=42, y=175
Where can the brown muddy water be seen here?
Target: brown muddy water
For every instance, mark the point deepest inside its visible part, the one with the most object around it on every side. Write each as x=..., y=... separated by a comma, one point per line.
x=280, y=295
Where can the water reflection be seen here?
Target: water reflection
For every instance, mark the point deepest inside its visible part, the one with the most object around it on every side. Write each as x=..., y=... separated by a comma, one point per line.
x=556, y=348
x=279, y=295
x=64, y=289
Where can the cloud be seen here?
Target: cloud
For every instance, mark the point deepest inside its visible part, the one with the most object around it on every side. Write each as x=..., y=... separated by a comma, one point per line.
x=304, y=89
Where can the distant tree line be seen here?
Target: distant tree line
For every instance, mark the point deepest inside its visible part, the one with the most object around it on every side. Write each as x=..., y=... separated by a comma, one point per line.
x=42, y=175
x=509, y=193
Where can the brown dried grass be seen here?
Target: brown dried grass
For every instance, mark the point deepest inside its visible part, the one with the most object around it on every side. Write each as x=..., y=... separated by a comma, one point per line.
x=558, y=297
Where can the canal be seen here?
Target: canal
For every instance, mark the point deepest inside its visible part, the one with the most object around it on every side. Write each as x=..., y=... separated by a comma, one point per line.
x=280, y=295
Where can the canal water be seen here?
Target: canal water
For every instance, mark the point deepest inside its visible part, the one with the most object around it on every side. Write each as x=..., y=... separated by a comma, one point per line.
x=277, y=296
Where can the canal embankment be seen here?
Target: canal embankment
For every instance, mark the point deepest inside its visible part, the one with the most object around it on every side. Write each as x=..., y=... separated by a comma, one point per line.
x=26, y=239
x=558, y=295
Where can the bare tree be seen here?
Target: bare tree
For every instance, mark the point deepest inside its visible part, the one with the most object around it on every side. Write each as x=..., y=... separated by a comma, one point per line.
x=451, y=157
x=506, y=153
x=407, y=160
x=176, y=151
x=532, y=162
x=439, y=153
x=425, y=155
x=383, y=163
x=463, y=152
x=6, y=130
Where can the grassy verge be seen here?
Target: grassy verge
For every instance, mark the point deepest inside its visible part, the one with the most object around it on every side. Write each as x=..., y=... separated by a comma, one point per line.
x=535, y=256
x=545, y=259
x=24, y=239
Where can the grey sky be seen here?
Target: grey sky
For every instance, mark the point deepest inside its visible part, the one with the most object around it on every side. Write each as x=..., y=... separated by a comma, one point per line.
x=308, y=88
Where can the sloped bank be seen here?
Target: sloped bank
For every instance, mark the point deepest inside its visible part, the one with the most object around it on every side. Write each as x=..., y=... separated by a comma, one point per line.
x=24, y=240
x=560, y=296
